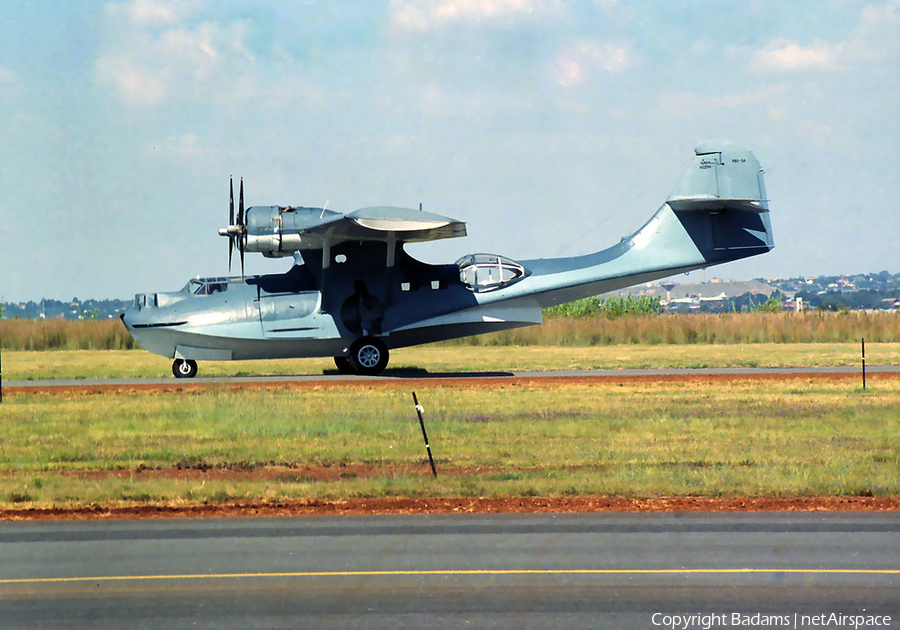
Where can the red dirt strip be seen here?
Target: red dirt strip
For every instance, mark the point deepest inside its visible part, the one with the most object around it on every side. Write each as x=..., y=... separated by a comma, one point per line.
x=88, y=388
x=450, y=505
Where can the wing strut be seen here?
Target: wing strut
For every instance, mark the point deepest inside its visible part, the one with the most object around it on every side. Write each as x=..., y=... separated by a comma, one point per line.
x=326, y=265
x=391, y=249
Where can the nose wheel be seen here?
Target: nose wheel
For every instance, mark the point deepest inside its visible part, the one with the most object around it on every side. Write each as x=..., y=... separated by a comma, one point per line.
x=184, y=368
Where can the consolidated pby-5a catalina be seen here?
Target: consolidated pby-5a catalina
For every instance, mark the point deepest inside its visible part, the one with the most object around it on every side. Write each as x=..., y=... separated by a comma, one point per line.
x=354, y=293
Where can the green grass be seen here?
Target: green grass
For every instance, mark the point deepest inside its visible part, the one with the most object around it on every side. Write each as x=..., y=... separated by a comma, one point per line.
x=791, y=438
x=81, y=364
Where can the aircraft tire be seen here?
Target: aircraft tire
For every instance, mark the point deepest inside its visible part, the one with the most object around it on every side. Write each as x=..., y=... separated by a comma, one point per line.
x=184, y=368
x=369, y=356
x=343, y=365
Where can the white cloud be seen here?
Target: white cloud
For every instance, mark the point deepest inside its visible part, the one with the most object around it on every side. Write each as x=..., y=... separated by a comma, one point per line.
x=576, y=64
x=441, y=102
x=159, y=53
x=10, y=86
x=186, y=146
x=873, y=40
x=7, y=77
x=690, y=104
x=135, y=83
x=426, y=15
x=190, y=151
x=146, y=66
x=786, y=56
x=153, y=13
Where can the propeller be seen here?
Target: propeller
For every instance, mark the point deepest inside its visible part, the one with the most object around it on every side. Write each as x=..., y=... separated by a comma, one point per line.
x=235, y=230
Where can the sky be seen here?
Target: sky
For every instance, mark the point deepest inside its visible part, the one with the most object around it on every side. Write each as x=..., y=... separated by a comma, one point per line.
x=552, y=127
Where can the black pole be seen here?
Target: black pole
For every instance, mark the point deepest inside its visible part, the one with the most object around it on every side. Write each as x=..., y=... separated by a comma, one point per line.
x=424, y=435
x=864, y=362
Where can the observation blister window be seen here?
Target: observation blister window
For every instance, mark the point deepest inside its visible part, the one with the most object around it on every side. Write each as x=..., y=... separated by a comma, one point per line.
x=488, y=272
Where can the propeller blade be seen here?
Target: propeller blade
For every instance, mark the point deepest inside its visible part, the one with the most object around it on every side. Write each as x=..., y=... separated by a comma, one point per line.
x=241, y=249
x=230, y=218
x=230, y=200
x=241, y=205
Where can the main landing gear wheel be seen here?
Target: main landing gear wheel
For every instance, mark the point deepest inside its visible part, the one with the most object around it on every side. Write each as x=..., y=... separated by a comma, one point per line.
x=184, y=368
x=368, y=356
x=343, y=365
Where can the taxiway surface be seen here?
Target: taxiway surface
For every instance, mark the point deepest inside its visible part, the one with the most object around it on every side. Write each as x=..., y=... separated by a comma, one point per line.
x=507, y=571
x=400, y=377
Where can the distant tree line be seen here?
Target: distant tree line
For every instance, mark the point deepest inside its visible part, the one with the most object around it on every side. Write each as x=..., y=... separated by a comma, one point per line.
x=610, y=307
x=57, y=309
x=865, y=299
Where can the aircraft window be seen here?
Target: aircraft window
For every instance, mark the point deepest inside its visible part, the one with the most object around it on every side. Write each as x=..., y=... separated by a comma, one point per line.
x=340, y=258
x=193, y=285
x=488, y=272
x=207, y=286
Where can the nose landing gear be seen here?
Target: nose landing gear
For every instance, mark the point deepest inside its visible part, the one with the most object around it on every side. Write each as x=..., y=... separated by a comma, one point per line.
x=184, y=368
x=368, y=355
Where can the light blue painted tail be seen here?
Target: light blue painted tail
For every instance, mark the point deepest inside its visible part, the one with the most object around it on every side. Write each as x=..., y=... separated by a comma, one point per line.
x=718, y=212
x=721, y=201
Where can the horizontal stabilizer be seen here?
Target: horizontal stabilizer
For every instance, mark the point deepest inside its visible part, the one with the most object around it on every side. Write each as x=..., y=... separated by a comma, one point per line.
x=716, y=203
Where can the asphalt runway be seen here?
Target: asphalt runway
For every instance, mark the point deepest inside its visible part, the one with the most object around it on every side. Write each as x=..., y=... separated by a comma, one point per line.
x=473, y=571
x=401, y=376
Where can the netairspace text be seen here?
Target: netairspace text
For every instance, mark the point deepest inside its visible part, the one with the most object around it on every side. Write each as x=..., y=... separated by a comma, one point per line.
x=794, y=621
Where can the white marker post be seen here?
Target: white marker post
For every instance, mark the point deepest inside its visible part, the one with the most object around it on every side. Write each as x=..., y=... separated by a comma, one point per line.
x=864, y=362
x=419, y=411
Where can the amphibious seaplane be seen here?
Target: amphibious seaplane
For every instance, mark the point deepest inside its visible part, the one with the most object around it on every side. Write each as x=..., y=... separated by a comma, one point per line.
x=354, y=293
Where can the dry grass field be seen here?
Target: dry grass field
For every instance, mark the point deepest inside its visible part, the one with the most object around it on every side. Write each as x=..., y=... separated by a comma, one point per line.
x=670, y=329
x=793, y=438
x=617, y=438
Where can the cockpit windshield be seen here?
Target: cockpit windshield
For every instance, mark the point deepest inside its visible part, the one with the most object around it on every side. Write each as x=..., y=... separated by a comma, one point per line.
x=488, y=272
x=208, y=286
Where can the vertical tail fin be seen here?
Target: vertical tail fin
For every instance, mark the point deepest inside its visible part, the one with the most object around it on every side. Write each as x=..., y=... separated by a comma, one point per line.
x=721, y=201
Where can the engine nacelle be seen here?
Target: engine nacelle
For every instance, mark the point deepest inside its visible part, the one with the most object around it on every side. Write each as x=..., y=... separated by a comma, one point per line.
x=276, y=231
